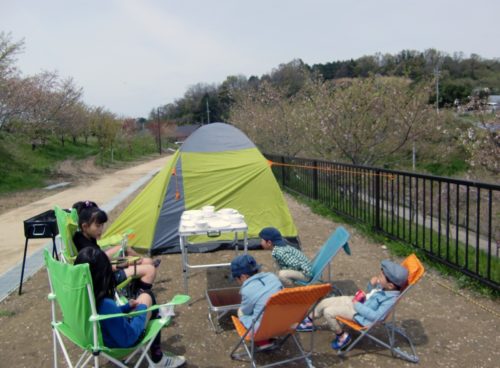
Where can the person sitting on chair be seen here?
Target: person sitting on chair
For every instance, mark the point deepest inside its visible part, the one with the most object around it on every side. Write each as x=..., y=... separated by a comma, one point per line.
x=383, y=291
x=122, y=332
x=293, y=264
x=256, y=288
x=91, y=220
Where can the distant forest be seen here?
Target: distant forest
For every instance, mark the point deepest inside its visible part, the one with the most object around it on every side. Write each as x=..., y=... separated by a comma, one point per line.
x=458, y=78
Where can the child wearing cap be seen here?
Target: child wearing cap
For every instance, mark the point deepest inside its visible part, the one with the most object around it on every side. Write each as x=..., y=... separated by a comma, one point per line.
x=383, y=291
x=293, y=264
x=256, y=288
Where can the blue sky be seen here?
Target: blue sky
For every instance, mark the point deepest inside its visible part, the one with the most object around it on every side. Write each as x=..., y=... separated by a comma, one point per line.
x=133, y=55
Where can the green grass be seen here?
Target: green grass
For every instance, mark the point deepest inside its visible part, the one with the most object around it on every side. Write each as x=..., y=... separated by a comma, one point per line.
x=130, y=149
x=454, y=166
x=22, y=168
x=6, y=313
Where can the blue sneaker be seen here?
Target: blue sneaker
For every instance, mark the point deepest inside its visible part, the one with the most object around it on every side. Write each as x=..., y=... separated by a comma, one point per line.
x=306, y=325
x=340, y=341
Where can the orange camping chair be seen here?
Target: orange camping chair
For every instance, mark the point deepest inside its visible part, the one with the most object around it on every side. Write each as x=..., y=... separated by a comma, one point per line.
x=415, y=272
x=281, y=316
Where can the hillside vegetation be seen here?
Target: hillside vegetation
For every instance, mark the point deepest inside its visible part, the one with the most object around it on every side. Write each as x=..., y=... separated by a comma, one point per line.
x=422, y=111
x=44, y=120
x=21, y=167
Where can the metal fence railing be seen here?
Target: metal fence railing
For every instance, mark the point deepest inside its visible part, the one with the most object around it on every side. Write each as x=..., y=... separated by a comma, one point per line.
x=455, y=222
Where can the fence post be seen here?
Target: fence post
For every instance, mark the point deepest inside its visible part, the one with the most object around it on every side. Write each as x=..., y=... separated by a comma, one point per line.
x=377, y=200
x=283, y=171
x=315, y=180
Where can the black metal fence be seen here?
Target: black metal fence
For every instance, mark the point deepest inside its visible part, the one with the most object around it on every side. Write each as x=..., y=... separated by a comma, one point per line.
x=455, y=222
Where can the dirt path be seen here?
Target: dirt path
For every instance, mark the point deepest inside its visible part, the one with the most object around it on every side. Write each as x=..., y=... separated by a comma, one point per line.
x=449, y=330
x=89, y=183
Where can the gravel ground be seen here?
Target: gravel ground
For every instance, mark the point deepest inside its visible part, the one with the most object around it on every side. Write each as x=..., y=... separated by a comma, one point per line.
x=448, y=329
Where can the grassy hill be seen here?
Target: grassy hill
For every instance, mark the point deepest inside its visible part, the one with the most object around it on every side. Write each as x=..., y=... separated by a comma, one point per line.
x=21, y=167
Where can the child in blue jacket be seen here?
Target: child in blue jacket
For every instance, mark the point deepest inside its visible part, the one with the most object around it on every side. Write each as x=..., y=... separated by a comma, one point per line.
x=256, y=288
x=383, y=291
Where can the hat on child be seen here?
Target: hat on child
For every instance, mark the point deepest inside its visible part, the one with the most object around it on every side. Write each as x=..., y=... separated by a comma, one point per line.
x=244, y=265
x=272, y=234
x=394, y=273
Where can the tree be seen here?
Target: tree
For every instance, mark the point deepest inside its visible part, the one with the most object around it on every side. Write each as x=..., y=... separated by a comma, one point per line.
x=8, y=51
x=269, y=118
x=482, y=142
x=67, y=98
x=105, y=127
x=372, y=119
x=362, y=121
x=11, y=84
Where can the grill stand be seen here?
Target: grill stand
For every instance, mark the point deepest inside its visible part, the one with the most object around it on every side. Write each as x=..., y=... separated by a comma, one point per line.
x=43, y=225
x=54, y=254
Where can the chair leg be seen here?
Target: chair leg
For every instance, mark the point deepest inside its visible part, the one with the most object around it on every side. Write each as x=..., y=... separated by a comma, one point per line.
x=342, y=352
x=396, y=351
x=54, y=343
x=63, y=348
x=115, y=361
x=304, y=355
x=235, y=355
x=85, y=357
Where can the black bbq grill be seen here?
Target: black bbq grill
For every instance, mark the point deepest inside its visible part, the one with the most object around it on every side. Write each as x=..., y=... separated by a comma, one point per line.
x=43, y=225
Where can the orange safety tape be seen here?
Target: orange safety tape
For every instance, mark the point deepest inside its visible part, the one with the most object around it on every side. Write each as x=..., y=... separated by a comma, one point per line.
x=350, y=171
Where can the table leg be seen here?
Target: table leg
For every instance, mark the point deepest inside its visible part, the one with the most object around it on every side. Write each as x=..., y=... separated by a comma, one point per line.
x=245, y=243
x=22, y=268
x=235, y=243
x=184, y=263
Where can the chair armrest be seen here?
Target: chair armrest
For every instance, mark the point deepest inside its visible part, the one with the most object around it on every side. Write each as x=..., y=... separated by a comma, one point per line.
x=176, y=300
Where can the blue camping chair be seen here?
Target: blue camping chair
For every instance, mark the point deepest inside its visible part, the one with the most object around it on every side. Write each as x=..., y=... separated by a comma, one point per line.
x=324, y=257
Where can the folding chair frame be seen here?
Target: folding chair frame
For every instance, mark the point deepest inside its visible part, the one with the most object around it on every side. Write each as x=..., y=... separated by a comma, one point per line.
x=87, y=355
x=95, y=348
x=391, y=327
x=249, y=344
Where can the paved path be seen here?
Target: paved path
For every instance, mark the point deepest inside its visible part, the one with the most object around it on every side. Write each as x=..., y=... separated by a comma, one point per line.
x=110, y=190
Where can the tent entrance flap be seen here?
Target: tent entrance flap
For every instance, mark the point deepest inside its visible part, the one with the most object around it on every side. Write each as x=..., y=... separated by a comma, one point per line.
x=173, y=205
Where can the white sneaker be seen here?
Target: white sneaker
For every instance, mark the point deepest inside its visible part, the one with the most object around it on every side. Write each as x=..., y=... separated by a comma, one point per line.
x=169, y=361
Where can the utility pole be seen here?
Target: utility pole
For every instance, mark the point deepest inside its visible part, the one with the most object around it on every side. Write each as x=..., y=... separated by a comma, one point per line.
x=159, y=130
x=436, y=72
x=208, y=113
x=413, y=156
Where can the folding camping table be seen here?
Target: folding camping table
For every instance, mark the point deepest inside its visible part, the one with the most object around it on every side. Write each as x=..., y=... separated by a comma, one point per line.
x=210, y=231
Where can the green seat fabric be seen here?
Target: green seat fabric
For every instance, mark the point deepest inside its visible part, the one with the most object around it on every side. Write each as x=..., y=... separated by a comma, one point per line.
x=67, y=223
x=72, y=292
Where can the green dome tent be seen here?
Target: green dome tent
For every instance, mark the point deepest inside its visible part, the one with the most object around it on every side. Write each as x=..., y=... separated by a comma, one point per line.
x=217, y=165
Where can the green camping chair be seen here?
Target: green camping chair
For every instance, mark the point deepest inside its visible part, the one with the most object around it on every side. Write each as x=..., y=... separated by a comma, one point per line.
x=71, y=289
x=67, y=223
